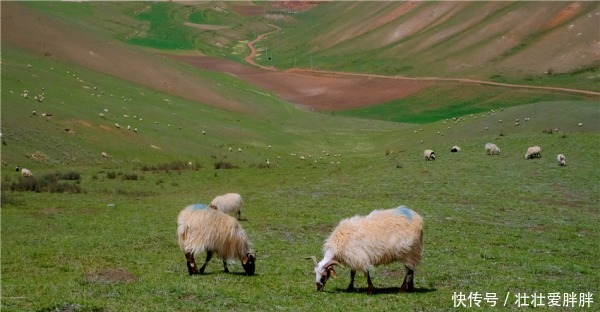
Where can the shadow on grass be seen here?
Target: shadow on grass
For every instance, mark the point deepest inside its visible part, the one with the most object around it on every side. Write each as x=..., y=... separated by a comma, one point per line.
x=386, y=290
x=209, y=273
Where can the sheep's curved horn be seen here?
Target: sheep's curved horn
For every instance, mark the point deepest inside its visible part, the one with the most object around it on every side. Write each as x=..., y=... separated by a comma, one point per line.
x=314, y=259
x=333, y=262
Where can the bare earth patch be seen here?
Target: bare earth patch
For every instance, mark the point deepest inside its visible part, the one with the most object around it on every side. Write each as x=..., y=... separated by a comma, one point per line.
x=313, y=91
x=110, y=276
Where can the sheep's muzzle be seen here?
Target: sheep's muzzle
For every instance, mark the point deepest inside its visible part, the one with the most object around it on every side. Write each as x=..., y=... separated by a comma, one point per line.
x=320, y=286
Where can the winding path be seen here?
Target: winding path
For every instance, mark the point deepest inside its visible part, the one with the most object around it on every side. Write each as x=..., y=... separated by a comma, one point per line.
x=250, y=60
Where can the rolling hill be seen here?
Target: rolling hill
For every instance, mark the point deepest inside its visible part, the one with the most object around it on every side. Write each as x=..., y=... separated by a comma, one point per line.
x=84, y=58
x=128, y=111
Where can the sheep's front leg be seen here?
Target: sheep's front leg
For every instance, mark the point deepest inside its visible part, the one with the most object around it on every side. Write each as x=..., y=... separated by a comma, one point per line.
x=225, y=266
x=208, y=257
x=370, y=289
x=408, y=284
x=191, y=263
x=351, y=286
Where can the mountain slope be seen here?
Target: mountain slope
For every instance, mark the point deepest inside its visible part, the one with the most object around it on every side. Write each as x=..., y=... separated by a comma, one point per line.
x=514, y=41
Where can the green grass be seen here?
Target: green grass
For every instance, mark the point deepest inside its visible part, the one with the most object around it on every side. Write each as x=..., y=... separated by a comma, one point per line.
x=450, y=100
x=492, y=224
x=310, y=40
x=498, y=224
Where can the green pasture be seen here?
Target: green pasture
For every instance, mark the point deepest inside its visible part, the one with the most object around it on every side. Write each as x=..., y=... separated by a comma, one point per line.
x=457, y=100
x=499, y=225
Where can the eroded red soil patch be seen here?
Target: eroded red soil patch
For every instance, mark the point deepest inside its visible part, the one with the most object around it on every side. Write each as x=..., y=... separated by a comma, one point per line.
x=313, y=91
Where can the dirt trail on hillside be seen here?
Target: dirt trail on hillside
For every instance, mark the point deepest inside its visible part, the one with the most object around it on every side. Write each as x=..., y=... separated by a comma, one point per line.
x=253, y=52
x=464, y=80
x=322, y=90
x=250, y=60
x=47, y=36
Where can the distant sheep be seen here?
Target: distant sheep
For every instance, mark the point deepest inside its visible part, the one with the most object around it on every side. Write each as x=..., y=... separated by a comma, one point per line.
x=230, y=203
x=533, y=152
x=201, y=229
x=455, y=149
x=24, y=172
x=429, y=155
x=492, y=149
x=562, y=161
x=363, y=242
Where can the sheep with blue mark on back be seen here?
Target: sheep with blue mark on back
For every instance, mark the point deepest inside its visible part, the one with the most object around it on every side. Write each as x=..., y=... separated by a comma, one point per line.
x=363, y=242
x=202, y=229
x=230, y=203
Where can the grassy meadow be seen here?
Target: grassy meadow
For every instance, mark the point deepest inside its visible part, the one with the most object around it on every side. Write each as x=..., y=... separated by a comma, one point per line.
x=106, y=240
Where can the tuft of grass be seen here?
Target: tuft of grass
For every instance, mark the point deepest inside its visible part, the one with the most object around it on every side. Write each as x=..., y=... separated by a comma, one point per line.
x=49, y=183
x=225, y=165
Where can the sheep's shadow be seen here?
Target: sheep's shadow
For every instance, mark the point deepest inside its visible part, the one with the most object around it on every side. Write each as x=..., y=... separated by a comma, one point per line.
x=386, y=290
x=208, y=273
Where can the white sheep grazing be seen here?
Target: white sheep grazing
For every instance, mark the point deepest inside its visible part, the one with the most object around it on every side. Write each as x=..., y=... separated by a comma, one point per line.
x=455, y=149
x=230, y=203
x=24, y=172
x=429, y=155
x=363, y=242
x=533, y=152
x=201, y=229
x=562, y=161
x=492, y=149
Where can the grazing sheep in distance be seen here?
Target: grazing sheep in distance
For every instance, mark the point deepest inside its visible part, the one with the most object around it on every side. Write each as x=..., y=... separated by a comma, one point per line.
x=533, y=152
x=492, y=149
x=201, y=229
x=24, y=172
x=561, y=160
x=363, y=242
x=230, y=203
x=429, y=155
x=455, y=149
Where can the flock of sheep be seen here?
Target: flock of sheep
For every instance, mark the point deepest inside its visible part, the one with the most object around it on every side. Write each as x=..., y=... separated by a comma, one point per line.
x=492, y=149
x=210, y=229
x=359, y=242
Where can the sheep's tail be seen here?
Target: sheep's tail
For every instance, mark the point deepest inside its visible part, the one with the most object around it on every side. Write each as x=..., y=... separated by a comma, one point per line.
x=183, y=227
x=182, y=234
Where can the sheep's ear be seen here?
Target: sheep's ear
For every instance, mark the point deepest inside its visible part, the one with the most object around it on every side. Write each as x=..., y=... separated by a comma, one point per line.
x=331, y=270
x=247, y=258
x=314, y=259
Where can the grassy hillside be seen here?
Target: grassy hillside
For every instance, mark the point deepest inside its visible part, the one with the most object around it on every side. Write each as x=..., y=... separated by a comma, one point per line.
x=103, y=237
x=497, y=224
x=168, y=127
x=449, y=100
x=551, y=45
